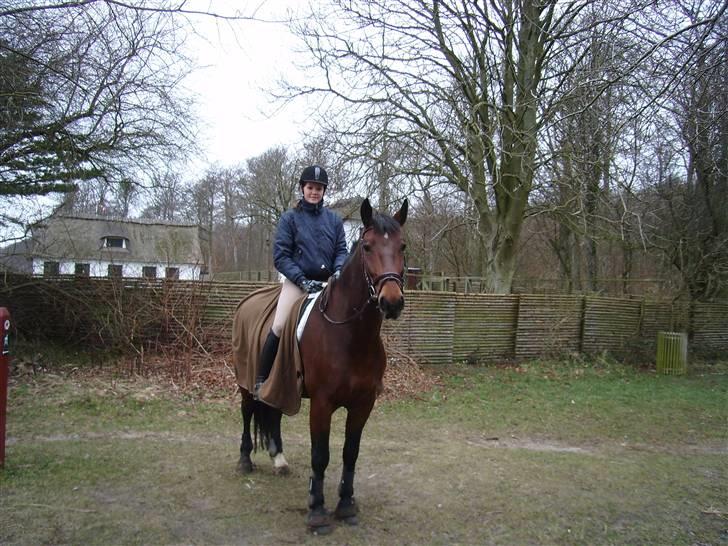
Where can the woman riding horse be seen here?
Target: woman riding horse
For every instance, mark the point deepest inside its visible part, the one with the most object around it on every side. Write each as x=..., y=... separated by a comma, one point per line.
x=310, y=246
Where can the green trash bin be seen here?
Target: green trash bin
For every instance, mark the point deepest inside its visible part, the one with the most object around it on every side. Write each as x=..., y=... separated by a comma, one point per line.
x=672, y=353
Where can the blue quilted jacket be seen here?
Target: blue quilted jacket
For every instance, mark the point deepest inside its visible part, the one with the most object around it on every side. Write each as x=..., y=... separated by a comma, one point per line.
x=310, y=243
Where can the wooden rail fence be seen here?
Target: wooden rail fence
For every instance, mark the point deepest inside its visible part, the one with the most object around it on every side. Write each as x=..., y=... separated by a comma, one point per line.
x=437, y=327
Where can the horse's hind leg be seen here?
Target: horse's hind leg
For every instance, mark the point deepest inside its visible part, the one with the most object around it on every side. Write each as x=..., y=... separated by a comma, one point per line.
x=245, y=464
x=275, y=444
x=346, y=509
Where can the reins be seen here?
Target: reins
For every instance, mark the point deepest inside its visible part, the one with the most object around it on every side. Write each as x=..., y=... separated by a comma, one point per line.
x=372, y=284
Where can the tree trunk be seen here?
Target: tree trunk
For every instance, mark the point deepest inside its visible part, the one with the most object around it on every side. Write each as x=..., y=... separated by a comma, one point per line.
x=563, y=247
x=627, y=259
x=499, y=241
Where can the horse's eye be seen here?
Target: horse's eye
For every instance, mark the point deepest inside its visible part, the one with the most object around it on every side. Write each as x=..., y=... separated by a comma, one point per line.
x=367, y=247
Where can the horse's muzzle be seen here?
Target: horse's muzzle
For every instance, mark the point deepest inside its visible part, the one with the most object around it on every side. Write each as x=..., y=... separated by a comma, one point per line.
x=391, y=308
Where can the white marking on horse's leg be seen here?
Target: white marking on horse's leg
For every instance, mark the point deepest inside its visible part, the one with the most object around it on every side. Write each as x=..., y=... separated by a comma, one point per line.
x=279, y=461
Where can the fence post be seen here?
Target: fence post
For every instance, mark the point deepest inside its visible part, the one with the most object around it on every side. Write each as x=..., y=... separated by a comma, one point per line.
x=4, y=371
x=582, y=325
x=640, y=325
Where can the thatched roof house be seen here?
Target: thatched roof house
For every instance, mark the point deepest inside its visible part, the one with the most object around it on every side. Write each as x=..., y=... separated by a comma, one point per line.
x=100, y=247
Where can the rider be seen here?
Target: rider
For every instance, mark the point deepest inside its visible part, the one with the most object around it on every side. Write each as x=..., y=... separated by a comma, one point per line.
x=310, y=247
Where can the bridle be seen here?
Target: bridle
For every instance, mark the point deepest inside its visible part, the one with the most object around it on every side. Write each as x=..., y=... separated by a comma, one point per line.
x=372, y=285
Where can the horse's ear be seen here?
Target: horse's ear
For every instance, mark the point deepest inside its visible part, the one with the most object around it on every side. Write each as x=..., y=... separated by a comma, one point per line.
x=366, y=213
x=401, y=214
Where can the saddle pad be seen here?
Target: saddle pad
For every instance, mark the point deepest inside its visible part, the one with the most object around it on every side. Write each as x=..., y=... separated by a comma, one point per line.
x=306, y=308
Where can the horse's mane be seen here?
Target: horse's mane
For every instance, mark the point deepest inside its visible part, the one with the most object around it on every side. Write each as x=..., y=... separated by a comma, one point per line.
x=384, y=223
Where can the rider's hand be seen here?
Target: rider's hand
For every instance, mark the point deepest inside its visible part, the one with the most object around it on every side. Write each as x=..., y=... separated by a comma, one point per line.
x=310, y=286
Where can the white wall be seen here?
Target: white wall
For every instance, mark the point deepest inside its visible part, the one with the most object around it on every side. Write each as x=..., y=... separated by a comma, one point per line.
x=101, y=268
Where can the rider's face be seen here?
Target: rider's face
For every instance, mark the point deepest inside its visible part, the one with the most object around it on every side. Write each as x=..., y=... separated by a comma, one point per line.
x=313, y=192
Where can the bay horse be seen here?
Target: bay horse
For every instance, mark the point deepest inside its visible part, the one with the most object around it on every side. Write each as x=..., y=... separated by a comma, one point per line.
x=343, y=361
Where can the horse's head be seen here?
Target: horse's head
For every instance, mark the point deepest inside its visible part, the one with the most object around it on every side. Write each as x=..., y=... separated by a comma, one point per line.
x=382, y=251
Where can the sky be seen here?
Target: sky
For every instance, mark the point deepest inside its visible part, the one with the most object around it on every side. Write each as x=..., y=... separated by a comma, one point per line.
x=238, y=69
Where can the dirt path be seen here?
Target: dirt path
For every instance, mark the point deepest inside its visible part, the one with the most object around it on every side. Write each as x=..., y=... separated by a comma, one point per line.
x=512, y=443
x=445, y=487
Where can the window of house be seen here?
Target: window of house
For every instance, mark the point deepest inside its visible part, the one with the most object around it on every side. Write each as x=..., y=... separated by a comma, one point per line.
x=115, y=242
x=171, y=273
x=116, y=270
x=82, y=270
x=51, y=269
x=149, y=272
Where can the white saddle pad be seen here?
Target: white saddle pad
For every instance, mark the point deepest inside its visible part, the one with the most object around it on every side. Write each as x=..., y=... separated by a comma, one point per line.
x=309, y=303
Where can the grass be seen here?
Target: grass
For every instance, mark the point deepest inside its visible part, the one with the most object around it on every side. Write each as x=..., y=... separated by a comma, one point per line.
x=584, y=401
x=547, y=452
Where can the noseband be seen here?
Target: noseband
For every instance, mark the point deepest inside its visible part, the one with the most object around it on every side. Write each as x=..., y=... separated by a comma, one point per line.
x=372, y=285
x=379, y=281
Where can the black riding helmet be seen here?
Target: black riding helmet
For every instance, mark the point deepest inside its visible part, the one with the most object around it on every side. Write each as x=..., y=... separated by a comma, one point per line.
x=314, y=173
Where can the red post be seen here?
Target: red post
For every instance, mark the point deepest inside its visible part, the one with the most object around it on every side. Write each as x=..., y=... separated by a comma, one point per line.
x=4, y=371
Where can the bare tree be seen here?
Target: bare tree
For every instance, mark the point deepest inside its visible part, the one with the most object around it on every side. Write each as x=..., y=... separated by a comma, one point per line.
x=202, y=208
x=380, y=168
x=91, y=94
x=687, y=211
x=165, y=199
x=228, y=230
x=466, y=85
x=268, y=187
x=581, y=156
x=616, y=138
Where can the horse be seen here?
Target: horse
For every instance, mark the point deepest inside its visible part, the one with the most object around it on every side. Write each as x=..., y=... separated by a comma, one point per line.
x=343, y=361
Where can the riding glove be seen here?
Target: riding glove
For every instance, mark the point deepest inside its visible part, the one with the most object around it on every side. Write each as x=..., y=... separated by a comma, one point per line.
x=310, y=286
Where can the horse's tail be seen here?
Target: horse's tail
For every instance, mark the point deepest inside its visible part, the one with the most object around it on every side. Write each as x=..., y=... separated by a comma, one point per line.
x=265, y=419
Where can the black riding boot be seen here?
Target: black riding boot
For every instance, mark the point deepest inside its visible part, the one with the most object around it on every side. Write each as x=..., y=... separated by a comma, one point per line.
x=267, y=356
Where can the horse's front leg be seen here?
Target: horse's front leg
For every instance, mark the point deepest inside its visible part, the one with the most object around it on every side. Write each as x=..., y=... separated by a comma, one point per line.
x=318, y=520
x=356, y=418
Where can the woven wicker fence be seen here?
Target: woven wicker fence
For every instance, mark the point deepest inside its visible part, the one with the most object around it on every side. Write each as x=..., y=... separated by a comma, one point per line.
x=437, y=327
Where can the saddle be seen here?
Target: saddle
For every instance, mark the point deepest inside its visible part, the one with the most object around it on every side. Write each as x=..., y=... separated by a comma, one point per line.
x=251, y=323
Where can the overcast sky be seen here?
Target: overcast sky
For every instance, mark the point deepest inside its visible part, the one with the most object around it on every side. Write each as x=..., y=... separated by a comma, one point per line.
x=238, y=69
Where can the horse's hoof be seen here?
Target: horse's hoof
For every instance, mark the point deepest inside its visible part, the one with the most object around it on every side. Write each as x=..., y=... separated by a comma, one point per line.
x=280, y=465
x=322, y=530
x=349, y=520
x=244, y=467
x=347, y=511
x=319, y=521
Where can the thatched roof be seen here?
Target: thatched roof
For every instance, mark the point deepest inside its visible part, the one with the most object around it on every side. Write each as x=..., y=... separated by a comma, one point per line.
x=348, y=208
x=82, y=238
x=16, y=257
